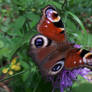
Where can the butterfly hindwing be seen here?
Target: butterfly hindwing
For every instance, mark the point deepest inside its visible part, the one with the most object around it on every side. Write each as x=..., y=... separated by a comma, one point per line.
x=45, y=54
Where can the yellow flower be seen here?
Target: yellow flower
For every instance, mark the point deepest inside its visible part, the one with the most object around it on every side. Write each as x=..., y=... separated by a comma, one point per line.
x=5, y=70
x=17, y=68
x=13, y=66
x=10, y=72
x=18, y=64
x=13, y=61
x=33, y=9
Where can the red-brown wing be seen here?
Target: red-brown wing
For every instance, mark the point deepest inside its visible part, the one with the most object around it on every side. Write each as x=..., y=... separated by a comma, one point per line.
x=46, y=55
x=76, y=58
x=39, y=53
x=51, y=25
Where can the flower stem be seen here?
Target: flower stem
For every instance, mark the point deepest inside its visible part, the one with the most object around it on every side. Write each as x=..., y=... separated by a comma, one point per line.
x=12, y=76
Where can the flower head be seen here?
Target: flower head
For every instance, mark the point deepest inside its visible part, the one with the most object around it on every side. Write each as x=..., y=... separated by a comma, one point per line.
x=77, y=46
x=13, y=61
x=10, y=72
x=5, y=70
x=67, y=77
x=13, y=67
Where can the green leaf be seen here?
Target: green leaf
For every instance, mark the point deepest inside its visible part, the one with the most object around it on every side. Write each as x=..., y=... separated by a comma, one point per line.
x=1, y=44
x=4, y=52
x=34, y=19
x=56, y=4
x=25, y=75
x=14, y=28
x=78, y=21
x=89, y=44
x=84, y=33
x=25, y=65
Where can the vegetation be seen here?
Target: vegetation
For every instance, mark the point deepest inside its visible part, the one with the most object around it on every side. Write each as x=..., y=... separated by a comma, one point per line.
x=18, y=20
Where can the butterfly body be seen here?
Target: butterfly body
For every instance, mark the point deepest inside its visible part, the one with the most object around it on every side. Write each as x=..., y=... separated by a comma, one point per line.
x=50, y=49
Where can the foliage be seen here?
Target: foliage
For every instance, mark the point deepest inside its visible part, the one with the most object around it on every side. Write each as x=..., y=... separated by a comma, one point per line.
x=18, y=20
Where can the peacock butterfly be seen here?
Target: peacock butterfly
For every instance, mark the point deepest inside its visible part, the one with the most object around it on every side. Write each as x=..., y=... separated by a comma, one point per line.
x=51, y=50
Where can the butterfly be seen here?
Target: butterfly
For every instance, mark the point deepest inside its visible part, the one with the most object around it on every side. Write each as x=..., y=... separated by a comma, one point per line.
x=51, y=50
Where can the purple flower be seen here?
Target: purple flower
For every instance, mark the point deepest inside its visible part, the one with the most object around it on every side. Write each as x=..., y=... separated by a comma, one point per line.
x=77, y=46
x=66, y=78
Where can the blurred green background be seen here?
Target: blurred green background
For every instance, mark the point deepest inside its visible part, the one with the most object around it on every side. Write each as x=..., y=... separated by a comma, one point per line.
x=18, y=20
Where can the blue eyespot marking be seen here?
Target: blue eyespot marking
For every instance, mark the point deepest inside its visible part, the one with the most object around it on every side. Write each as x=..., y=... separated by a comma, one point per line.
x=39, y=42
x=56, y=67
